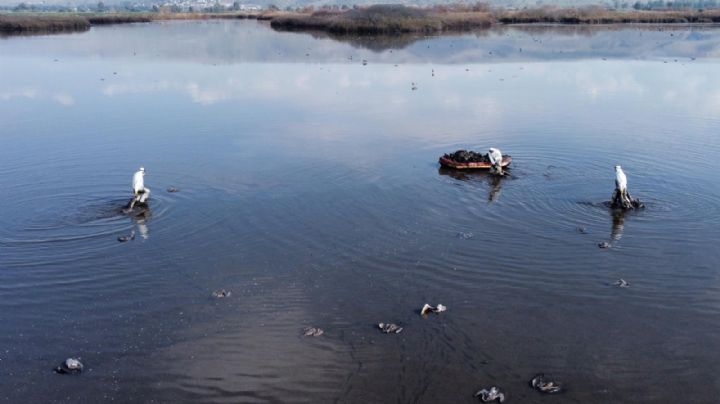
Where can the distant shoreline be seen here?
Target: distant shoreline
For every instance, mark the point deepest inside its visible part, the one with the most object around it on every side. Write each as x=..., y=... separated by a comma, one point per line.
x=400, y=19
x=50, y=23
x=371, y=20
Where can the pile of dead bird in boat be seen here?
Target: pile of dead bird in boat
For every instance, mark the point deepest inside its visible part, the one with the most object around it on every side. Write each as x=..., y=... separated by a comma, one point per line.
x=494, y=161
x=467, y=156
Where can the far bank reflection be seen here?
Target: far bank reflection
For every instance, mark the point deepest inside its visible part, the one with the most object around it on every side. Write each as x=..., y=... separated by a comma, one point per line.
x=232, y=42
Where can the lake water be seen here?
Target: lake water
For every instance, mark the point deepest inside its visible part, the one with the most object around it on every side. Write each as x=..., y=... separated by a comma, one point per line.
x=310, y=189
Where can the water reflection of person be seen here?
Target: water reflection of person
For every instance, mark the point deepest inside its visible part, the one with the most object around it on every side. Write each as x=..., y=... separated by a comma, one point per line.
x=495, y=181
x=618, y=225
x=140, y=217
x=495, y=187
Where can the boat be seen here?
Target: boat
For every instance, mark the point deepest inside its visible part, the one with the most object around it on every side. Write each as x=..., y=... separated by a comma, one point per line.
x=447, y=161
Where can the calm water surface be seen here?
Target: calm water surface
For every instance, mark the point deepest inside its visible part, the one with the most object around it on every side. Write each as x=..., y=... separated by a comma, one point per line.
x=309, y=188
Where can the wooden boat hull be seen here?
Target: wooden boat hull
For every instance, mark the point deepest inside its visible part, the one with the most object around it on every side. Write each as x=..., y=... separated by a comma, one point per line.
x=446, y=162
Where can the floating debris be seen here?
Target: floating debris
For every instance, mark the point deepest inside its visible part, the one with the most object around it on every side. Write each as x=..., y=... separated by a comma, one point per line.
x=427, y=309
x=390, y=328
x=604, y=244
x=544, y=386
x=221, y=293
x=491, y=394
x=129, y=237
x=172, y=189
x=621, y=283
x=465, y=236
x=70, y=366
x=313, y=332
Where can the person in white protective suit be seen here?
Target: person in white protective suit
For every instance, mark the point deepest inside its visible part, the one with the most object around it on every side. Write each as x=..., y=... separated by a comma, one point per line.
x=495, y=157
x=620, y=180
x=621, y=198
x=140, y=193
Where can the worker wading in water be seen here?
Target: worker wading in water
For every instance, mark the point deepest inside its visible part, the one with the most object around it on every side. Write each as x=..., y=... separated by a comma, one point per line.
x=140, y=193
x=621, y=198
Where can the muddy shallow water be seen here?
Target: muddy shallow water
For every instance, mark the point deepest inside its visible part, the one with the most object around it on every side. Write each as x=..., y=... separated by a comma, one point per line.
x=309, y=188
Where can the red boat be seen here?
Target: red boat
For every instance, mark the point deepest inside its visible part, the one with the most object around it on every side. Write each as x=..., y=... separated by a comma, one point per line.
x=448, y=162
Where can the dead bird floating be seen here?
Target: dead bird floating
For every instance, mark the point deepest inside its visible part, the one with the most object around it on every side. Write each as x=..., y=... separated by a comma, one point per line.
x=545, y=386
x=427, y=309
x=127, y=238
x=491, y=394
x=313, y=332
x=221, y=293
x=468, y=159
x=389, y=328
x=70, y=366
x=621, y=283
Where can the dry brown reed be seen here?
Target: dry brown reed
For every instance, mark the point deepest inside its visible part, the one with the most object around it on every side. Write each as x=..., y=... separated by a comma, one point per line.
x=598, y=15
x=385, y=19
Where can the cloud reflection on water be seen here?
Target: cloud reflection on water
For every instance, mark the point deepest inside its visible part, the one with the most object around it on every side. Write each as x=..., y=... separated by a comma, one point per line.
x=63, y=99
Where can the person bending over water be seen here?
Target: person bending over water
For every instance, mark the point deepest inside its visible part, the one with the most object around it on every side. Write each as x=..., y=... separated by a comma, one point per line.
x=620, y=180
x=140, y=193
x=496, y=160
x=621, y=198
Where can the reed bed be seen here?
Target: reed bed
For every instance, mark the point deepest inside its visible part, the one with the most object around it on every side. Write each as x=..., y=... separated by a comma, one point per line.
x=385, y=19
x=370, y=20
x=123, y=18
x=31, y=23
x=597, y=15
